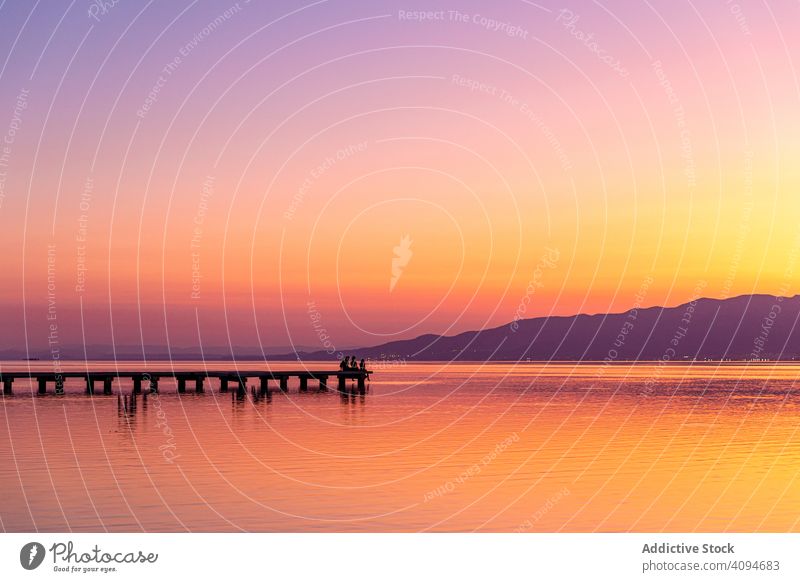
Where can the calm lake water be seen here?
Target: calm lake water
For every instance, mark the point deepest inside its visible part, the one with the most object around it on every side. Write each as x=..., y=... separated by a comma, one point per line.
x=442, y=447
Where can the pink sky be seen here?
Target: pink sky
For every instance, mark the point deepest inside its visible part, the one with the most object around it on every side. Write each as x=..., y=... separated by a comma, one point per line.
x=199, y=174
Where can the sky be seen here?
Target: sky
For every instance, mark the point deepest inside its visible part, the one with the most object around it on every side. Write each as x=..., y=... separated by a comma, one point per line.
x=339, y=173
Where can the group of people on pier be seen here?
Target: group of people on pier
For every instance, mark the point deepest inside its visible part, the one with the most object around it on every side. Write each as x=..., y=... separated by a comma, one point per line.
x=348, y=364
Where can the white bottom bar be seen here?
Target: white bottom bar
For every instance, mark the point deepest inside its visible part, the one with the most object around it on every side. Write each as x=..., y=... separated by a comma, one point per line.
x=416, y=557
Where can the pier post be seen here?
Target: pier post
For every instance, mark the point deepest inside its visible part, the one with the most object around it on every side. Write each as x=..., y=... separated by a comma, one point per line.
x=137, y=384
x=153, y=385
x=42, y=385
x=198, y=384
x=264, y=385
x=342, y=383
x=303, y=383
x=89, y=385
x=59, y=384
x=181, y=384
x=284, y=383
x=323, y=383
x=7, y=382
x=362, y=388
x=223, y=384
x=107, y=384
x=241, y=390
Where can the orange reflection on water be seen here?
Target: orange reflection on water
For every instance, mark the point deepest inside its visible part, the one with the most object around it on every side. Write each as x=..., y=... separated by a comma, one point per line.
x=446, y=447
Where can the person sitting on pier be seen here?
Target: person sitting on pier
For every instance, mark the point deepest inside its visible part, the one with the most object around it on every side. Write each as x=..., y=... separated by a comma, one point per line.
x=344, y=364
x=353, y=365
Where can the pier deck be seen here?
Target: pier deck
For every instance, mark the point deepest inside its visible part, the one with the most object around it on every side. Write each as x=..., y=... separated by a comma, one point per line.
x=150, y=379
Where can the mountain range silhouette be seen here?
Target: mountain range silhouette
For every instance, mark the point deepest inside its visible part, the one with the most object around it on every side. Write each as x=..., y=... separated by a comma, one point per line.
x=748, y=327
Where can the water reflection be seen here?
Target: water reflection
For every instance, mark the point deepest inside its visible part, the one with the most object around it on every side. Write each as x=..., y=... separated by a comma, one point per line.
x=430, y=446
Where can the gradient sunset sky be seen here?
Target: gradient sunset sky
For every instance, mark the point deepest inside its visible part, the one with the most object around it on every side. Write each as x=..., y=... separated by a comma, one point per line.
x=241, y=173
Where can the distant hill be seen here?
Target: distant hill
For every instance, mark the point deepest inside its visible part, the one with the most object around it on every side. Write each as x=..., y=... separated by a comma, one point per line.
x=741, y=328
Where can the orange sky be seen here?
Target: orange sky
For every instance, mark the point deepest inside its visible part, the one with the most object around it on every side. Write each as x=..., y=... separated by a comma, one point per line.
x=486, y=150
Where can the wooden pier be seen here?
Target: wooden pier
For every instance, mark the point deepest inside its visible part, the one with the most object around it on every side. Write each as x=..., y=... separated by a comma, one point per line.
x=226, y=379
